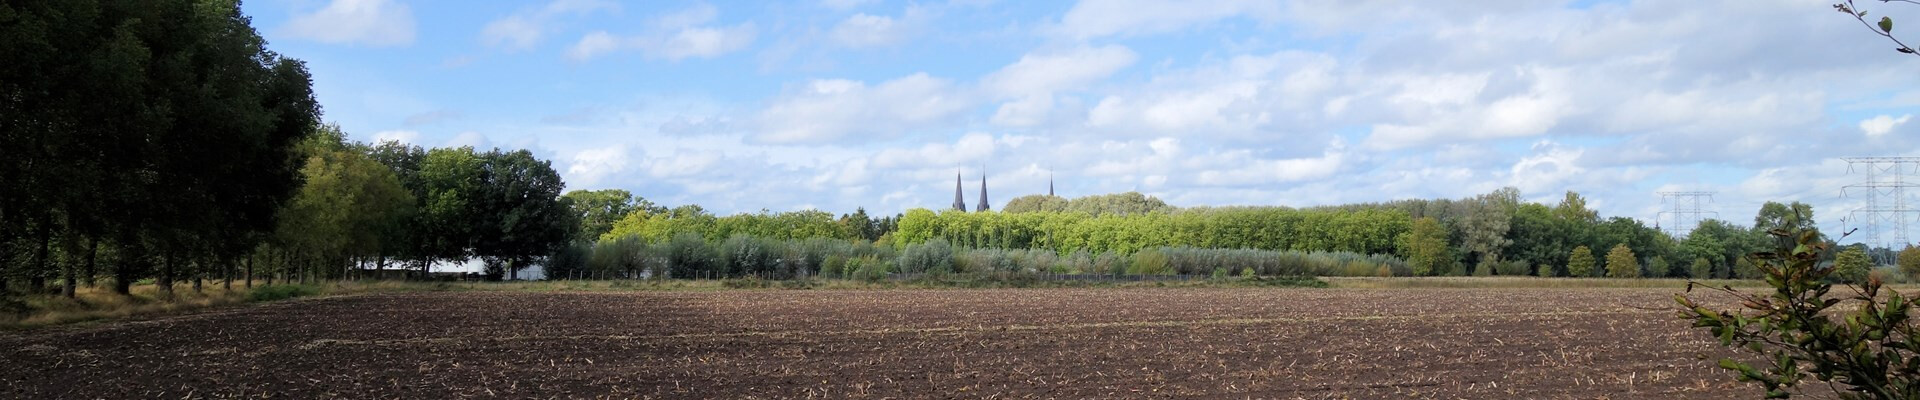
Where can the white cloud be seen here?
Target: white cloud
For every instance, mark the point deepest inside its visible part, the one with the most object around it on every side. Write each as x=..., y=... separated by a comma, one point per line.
x=675, y=36
x=593, y=44
x=699, y=42
x=1248, y=171
x=862, y=30
x=845, y=4
x=1097, y=18
x=1024, y=112
x=1041, y=73
x=378, y=23
x=512, y=32
x=402, y=136
x=1547, y=170
x=1882, y=124
x=831, y=109
x=588, y=167
x=970, y=149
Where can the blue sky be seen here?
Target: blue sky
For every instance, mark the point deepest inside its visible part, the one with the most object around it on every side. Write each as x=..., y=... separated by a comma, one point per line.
x=835, y=104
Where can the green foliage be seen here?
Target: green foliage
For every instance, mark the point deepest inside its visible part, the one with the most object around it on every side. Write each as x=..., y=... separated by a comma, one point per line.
x=1149, y=262
x=569, y=262
x=688, y=257
x=1701, y=269
x=281, y=292
x=1658, y=266
x=1852, y=265
x=1036, y=203
x=934, y=256
x=1621, y=263
x=1425, y=246
x=1547, y=271
x=1743, y=268
x=868, y=268
x=1580, y=262
x=1909, y=262
x=1868, y=353
x=597, y=210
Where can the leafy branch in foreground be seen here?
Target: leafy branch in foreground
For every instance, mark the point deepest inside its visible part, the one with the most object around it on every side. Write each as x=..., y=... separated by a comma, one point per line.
x=1870, y=353
x=1884, y=26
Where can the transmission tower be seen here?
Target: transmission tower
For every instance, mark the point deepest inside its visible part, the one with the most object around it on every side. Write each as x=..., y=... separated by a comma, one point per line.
x=1885, y=218
x=1685, y=210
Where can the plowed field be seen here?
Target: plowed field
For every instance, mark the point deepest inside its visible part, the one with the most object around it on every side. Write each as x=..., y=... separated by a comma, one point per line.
x=1011, y=343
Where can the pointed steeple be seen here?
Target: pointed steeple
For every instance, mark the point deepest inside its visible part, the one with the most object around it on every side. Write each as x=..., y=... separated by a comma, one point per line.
x=1049, y=183
x=959, y=203
x=983, y=205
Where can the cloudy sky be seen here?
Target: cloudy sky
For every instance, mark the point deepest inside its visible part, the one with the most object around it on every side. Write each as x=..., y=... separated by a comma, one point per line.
x=833, y=104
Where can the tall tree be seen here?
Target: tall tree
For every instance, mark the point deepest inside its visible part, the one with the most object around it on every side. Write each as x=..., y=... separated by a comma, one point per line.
x=1791, y=217
x=597, y=210
x=523, y=217
x=1425, y=246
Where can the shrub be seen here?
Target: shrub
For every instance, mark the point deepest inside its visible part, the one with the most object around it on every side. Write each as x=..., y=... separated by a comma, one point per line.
x=1909, y=261
x=1580, y=262
x=1873, y=352
x=834, y=266
x=1621, y=262
x=1484, y=268
x=1852, y=265
x=1511, y=268
x=932, y=256
x=688, y=257
x=1658, y=266
x=1702, y=269
x=868, y=268
x=1149, y=262
x=1545, y=271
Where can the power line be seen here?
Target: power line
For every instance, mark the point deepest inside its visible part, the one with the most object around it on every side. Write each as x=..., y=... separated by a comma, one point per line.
x=1684, y=207
x=1884, y=219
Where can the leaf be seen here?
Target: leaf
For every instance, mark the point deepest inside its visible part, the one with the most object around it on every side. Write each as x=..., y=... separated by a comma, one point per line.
x=1886, y=24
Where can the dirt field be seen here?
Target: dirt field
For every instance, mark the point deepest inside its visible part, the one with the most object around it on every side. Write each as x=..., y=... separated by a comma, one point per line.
x=1073, y=343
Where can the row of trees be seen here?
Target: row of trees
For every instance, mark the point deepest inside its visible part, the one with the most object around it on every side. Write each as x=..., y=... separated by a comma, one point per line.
x=689, y=255
x=159, y=131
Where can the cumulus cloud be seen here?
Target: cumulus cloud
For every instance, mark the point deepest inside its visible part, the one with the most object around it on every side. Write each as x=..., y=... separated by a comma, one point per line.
x=1882, y=124
x=862, y=30
x=524, y=29
x=1040, y=73
x=377, y=23
x=831, y=109
x=675, y=36
x=588, y=167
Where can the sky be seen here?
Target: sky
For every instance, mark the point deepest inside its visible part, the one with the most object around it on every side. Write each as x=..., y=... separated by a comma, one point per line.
x=837, y=104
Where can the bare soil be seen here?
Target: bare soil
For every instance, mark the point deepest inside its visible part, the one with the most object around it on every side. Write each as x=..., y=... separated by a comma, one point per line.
x=1006, y=343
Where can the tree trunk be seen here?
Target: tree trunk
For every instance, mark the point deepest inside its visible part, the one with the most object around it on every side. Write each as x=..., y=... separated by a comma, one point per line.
x=93, y=251
x=123, y=268
x=37, y=281
x=166, y=273
x=249, y=270
x=227, y=270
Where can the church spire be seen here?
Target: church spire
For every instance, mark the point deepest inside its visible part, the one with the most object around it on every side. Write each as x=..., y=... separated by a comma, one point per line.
x=983, y=205
x=959, y=202
x=1049, y=183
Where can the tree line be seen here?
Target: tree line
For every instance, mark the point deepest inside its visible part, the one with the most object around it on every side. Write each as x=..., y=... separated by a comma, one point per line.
x=161, y=140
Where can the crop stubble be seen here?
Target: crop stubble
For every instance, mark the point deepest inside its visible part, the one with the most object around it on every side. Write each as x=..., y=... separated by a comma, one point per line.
x=1077, y=343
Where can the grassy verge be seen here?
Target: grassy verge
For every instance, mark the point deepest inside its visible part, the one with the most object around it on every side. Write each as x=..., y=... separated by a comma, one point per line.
x=101, y=303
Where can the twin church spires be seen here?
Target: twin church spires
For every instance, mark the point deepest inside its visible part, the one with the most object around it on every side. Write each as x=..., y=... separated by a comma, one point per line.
x=959, y=196
x=959, y=199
